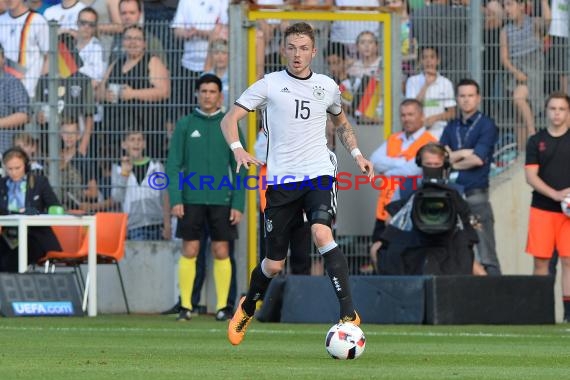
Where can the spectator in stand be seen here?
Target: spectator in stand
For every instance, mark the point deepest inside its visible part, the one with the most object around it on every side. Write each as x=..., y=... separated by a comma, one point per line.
x=24, y=35
x=336, y=58
x=367, y=102
x=196, y=23
x=29, y=144
x=131, y=13
x=14, y=105
x=135, y=89
x=444, y=25
x=434, y=91
x=78, y=170
x=523, y=59
x=109, y=22
x=75, y=94
x=217, y=64
x=66, y=14
x=148, y=209
x=90, y=49
x=158, y=15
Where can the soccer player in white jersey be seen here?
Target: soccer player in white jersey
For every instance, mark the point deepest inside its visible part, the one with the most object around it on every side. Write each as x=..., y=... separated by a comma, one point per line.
x=300, y=169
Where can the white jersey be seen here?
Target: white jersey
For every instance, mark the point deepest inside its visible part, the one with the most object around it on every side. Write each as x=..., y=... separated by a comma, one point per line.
x=295, y=117
x=438, y=97
x=65, y=17
x=92, y=57
x=25, y=41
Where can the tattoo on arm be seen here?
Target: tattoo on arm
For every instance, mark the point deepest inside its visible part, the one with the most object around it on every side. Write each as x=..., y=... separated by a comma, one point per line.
x=346, y=135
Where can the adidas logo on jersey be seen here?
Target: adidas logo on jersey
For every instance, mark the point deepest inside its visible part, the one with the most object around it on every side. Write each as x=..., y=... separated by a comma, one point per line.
x=195, y=134
x=285, y=89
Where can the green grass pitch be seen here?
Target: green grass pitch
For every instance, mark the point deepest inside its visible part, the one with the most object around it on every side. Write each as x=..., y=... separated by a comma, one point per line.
x=157, y=347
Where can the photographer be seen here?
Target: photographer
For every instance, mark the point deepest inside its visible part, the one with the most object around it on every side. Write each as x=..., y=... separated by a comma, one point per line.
x=431, y=230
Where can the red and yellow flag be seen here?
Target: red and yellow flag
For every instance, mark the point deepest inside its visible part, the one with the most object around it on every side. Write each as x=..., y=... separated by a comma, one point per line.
x=66, y=62
x=369, y=98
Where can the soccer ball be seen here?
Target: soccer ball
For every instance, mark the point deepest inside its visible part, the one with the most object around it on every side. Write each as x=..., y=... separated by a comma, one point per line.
x=565, y=205
x=345, y=341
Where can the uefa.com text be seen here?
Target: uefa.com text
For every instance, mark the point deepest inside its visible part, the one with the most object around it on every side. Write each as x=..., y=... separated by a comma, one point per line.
x=344, y=181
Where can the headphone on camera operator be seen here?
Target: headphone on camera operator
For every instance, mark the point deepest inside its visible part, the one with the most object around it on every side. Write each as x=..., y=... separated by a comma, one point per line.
x=435, y=202
x=433, y=171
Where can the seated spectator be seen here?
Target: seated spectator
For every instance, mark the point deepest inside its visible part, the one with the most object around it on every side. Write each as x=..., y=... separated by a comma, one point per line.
x=14, y=105
x=29, y=144
x=148, y=209
x=522, y=58
x=135, y=88
x=434, y=91
x=367, y=87
x=24, y=192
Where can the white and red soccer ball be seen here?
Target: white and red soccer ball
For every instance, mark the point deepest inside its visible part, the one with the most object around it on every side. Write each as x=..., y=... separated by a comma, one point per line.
x=345, y=341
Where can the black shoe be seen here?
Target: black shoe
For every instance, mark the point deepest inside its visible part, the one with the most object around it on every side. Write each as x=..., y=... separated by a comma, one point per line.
x=224, y=314
x=173, y=310
x=184, y=315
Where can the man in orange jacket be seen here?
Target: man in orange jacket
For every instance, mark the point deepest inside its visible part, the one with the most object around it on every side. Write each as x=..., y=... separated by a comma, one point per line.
x=395, y=158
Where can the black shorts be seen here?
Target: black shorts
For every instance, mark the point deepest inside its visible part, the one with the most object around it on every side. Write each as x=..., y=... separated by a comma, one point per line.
x=285, y=206
x=191, y=225
x=379, y=227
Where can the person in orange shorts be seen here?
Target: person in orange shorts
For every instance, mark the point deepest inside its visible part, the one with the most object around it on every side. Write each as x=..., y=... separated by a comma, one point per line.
x=548, y=173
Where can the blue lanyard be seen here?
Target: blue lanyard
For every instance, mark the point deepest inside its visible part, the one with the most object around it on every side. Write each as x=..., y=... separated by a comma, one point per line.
x=460, y=141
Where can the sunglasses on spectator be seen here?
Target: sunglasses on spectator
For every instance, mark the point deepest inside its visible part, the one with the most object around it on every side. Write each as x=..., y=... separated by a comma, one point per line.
x=91, y=24
x=133, y=38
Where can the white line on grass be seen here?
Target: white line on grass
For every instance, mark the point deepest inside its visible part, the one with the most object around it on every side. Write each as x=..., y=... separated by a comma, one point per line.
x=290, y=332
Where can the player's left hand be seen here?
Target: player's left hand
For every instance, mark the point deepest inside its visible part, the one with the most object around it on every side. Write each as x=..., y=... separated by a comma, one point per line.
x=244, y=158
x=235, y=216
x=365, y=166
